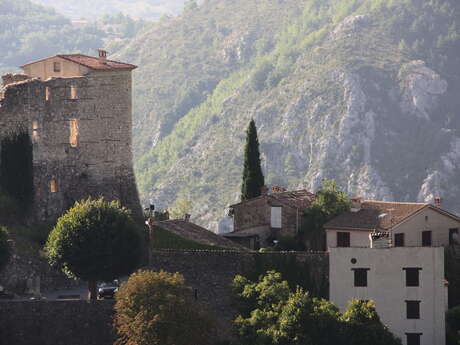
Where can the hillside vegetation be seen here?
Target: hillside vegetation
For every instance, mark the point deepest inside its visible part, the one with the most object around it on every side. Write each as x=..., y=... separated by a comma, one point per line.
x=92, y=9
x=29, y=32
x=360, y=91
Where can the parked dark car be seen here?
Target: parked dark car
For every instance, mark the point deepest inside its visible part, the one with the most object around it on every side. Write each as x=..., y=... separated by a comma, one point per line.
x=107, y=289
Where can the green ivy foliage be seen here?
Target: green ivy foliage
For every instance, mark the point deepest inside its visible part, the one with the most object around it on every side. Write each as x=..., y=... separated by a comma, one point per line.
x=272, y=313
x=16, y=167
x=95, y=240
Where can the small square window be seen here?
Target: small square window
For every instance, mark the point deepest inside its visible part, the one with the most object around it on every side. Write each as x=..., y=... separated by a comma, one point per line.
x=412, y=276
x=57, y=67
x=399, y=240
x=343, y=239
x=413, y=338
x=426, y=238
x=413, y=309
x=453, y=237
x=360, y=276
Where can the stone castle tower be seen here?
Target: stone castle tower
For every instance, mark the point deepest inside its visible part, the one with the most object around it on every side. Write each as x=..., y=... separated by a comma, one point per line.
x=78, y=112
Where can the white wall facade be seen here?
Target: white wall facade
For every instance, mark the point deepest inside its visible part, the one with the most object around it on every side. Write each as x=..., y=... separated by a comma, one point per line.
x=386, y=286
x=412, y=228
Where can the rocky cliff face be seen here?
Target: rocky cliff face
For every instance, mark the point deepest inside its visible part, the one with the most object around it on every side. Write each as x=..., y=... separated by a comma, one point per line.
x=343, y=102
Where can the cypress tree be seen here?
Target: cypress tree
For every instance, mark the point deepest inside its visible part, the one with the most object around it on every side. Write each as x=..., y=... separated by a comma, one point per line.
x=253, y=178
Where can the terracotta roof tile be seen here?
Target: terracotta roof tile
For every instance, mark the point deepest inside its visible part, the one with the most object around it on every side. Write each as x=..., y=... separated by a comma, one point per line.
x=298, y=199
x=92, y=62
x=375, y=215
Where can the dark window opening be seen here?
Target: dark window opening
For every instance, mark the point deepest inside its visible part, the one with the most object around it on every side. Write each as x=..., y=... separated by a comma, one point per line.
x=57, y=67
x=413, y=309
x=413, y=338
x=453, y=237
x=343, y=239
x=412, y=276
x=399, y=240
x=426, y=238
x=360, y=276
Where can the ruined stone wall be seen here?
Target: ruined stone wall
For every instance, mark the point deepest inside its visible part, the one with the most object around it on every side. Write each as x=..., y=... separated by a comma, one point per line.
x=56, y=323
x=81, y=133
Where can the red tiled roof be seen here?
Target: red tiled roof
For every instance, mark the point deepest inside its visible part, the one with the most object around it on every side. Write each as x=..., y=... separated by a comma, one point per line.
x=377, y=215
x=91, y=62
x=298, y=199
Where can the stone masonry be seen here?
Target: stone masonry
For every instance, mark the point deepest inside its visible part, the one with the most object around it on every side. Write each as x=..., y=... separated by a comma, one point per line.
x=80, y=126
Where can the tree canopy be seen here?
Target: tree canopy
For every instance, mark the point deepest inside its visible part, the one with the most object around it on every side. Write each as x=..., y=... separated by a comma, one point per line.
x=95, y=240
x=253, y=178
x=157, y=308
x=329, y=202
x=271, y=313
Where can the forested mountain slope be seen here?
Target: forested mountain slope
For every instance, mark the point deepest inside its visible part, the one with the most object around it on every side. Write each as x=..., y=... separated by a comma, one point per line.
x=363, y=91
x=92, y=9
x=29, y=32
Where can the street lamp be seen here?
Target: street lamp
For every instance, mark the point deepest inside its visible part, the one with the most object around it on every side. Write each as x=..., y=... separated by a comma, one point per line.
x=149, y=223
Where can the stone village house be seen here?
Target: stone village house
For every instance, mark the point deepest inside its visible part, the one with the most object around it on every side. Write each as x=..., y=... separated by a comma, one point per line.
x=392, y=253
x=77, y=110
x=408, y=224
x=259, y=221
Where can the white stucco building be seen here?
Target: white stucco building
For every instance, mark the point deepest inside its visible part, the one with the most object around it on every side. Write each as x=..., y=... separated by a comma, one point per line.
x=406, y=284
x=408, y=224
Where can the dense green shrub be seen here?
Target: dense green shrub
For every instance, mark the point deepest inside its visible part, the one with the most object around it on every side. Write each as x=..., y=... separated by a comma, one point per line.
x=95, y=240
x=157, y=308
x=453, y=326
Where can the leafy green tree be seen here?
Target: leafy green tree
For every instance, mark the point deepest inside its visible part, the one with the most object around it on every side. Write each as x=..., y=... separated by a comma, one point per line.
x=157, y=308
x=452, y=269
x=94, y=241
x=5, y=248
x=253, y=178
x=180, y=208
x=362, y=325
x=271, y=313
x=329, y=203
x=453, y=326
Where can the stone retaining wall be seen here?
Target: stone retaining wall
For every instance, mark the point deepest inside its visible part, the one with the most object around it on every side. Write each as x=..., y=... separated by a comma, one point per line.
x=56, y=323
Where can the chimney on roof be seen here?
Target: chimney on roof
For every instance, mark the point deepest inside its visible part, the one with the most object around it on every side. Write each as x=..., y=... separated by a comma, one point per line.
x=380, y=240
x=187, y=217
x=102, y=54
x=438, y=202
x=356, y=204
x=278, y=189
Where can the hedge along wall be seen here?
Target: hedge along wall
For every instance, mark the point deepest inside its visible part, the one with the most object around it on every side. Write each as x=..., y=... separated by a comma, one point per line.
x=210, y=273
